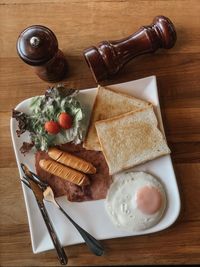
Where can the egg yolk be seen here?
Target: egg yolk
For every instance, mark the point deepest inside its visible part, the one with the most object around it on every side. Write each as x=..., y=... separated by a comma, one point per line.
x=148, y=199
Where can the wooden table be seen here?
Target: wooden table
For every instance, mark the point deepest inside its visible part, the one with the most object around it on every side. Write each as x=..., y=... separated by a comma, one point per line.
x=77, y=25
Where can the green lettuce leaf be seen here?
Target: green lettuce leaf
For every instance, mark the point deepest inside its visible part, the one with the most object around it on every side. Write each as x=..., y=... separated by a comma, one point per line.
x=57, y=99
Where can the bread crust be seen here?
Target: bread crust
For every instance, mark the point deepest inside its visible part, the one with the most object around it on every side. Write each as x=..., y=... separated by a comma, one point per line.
x=70, y=160
x=86, y=142
x=64, y=172
x=145, y=143
x=127, y=114
x=91, y=141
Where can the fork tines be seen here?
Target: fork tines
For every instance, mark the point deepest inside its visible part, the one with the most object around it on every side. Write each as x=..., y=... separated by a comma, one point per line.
x=25, y=181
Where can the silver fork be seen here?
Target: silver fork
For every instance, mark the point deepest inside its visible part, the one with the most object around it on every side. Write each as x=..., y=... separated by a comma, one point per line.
x=39, y=198
x=48, y=194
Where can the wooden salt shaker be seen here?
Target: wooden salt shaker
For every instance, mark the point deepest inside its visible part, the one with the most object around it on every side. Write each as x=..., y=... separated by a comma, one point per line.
x=108, y=57
x=38, y=46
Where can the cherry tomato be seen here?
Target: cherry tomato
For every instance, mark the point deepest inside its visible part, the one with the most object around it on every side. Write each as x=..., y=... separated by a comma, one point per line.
x=65, y=120
x=52, y=127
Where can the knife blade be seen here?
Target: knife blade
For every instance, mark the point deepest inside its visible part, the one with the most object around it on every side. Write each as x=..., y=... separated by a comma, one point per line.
x=39, y=198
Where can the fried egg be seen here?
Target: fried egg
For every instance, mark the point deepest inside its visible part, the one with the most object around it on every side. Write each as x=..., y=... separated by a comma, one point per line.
x=135, y=201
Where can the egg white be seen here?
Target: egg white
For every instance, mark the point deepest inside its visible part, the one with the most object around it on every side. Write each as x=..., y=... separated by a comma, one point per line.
x=121, y=203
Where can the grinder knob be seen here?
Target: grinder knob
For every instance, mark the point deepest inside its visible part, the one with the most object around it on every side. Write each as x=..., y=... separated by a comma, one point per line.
x=38, y=46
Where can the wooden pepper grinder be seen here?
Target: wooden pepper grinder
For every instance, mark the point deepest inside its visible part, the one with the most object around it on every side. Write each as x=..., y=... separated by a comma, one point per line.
x=109, y=57
x=38, y=46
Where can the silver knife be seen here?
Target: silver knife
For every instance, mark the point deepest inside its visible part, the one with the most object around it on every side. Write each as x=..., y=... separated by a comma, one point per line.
x=39, y=198
x=48, y=195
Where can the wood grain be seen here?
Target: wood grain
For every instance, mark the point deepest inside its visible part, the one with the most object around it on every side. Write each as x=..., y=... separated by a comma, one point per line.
x=77, y=25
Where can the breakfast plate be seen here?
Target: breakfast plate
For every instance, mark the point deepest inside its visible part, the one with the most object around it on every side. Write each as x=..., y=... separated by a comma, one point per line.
x=91, y=215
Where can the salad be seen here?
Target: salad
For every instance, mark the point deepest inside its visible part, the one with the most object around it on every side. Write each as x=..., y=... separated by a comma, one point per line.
x=55, y=118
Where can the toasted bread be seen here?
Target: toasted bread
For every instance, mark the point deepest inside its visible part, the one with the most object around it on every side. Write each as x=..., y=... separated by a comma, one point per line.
x=109, y=103
x=131, y=139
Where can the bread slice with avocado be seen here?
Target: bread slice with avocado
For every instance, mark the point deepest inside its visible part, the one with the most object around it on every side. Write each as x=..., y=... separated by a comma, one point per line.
x=131, y=139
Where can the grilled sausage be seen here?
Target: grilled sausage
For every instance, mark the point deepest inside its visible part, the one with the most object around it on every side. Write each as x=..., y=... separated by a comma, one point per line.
x=71, y=161
x=64, y=172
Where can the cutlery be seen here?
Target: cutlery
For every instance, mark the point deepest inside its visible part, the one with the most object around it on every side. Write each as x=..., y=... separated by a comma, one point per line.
x=48, y=195
x=39, y=198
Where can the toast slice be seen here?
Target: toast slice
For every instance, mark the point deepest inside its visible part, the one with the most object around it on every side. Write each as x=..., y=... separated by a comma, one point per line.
x=109, y=103
x=131, y=139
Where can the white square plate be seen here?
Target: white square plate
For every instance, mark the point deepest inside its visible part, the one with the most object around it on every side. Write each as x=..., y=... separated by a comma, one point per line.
x=91, y=215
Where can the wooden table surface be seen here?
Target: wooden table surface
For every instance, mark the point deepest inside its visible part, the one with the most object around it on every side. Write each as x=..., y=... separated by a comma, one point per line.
x=77, y=25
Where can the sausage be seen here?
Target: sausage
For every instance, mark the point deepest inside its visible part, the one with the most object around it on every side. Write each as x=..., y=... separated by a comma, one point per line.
x=64, y=172
x=71, y=161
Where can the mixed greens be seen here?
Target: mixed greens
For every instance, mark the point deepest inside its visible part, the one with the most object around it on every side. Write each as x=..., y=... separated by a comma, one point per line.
x=47, y=108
